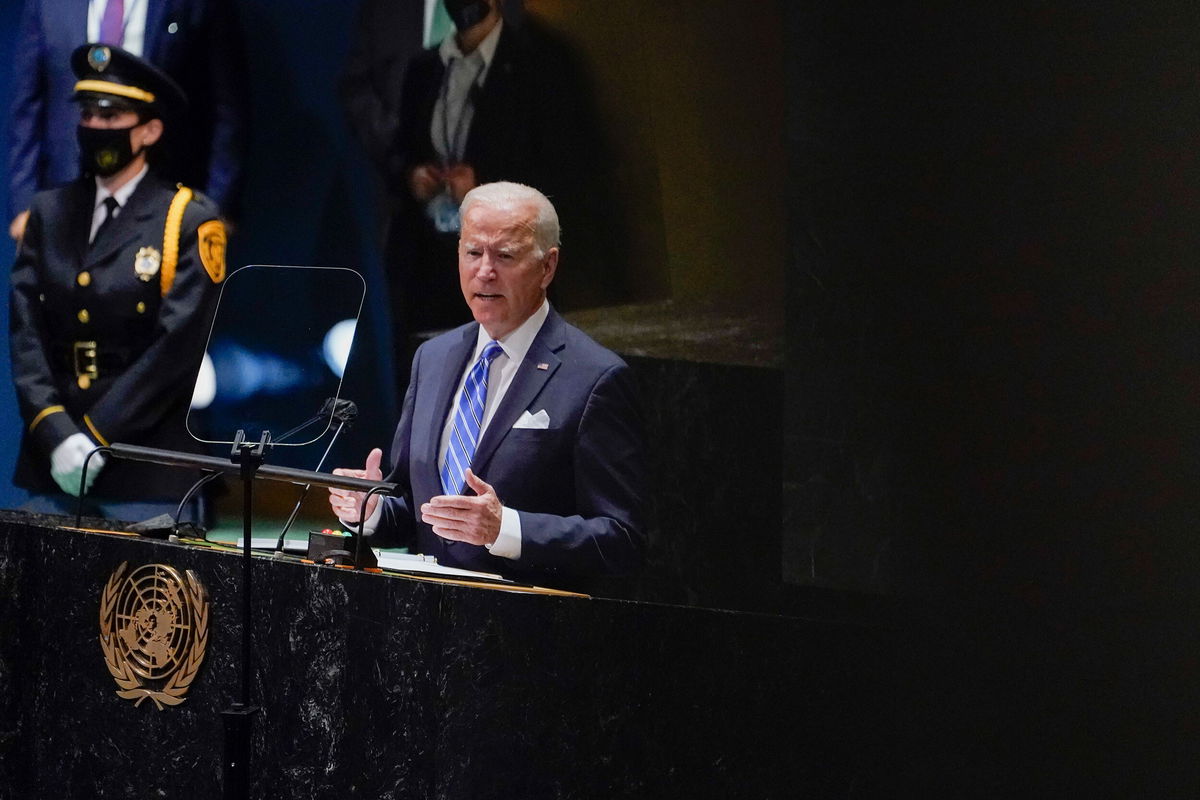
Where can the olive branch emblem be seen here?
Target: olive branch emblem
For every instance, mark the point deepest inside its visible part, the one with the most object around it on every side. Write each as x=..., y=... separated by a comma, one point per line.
x=153, y=626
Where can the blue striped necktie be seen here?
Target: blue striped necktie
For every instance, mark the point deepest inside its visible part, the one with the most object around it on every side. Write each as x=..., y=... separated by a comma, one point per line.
x=468, y=419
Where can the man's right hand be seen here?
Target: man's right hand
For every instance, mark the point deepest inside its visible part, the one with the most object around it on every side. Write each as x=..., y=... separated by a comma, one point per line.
x=348, y=504
x=16, y=228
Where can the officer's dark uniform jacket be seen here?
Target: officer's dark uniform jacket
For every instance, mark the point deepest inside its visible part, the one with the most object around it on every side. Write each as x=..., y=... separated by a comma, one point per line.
x=106, y=338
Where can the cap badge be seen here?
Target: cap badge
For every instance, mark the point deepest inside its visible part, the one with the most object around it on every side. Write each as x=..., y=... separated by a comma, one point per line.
x=99, y=57
x=146, y=263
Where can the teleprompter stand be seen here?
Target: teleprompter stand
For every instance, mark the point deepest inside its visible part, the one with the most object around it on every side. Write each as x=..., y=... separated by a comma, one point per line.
x=239, y=718
x=246, y=459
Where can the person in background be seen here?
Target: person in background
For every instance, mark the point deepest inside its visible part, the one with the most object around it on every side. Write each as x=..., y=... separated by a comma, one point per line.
x=196, y=42
x=113, y=289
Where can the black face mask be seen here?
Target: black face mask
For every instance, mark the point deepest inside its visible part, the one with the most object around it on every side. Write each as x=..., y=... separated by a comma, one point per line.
x=466, y=13
x=105, y=151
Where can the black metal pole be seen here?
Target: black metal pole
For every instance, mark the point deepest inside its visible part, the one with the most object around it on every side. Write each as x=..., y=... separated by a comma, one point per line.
x=247, y=572
x=239, y=719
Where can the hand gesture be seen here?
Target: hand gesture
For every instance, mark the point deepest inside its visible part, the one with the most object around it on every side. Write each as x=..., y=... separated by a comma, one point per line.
x=347, y=503
x=475, y=520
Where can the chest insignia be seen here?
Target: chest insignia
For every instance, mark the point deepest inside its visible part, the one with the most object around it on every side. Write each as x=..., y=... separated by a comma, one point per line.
x=146, y=263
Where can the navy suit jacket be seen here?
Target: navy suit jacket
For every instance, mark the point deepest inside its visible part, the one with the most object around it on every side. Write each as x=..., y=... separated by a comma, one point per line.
x=578, y=485
x=196, y=42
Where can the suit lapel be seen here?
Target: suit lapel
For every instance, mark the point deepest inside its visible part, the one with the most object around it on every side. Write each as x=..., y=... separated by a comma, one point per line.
x=526, y=385
x=493, y=99
x=424, y=78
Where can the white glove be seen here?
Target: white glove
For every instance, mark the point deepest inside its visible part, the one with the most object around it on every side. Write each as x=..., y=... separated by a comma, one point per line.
x=66, y=463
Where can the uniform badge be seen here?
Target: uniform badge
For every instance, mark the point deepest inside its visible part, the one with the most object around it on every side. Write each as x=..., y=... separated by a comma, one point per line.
x=99, y=58
x=146, y=263
x=212, y=249
x=153, y=632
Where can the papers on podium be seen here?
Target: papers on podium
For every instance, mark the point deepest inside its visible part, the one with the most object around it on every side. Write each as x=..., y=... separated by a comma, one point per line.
x=394, y=562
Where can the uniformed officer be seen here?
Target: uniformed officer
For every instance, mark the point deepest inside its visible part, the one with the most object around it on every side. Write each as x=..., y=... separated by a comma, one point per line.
x=113, y=290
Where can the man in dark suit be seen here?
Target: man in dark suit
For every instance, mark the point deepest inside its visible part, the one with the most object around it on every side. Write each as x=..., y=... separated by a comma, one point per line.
x=196, y=42
x=112, y=293
x=520, y=448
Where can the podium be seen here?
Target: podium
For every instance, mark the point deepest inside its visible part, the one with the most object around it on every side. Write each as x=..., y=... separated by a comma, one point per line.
x=382, y=685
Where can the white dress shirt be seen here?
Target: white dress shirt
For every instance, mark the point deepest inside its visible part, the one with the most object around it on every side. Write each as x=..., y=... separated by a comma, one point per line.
x=134, y=30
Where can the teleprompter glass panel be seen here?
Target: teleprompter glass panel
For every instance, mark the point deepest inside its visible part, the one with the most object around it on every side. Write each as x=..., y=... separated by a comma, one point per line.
x=276, y=352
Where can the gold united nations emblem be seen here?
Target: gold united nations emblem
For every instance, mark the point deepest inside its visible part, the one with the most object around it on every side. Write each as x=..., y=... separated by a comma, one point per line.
x=153, y=631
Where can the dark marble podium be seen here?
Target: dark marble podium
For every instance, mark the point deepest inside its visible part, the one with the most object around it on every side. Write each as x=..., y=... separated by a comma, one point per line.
x=383, y=686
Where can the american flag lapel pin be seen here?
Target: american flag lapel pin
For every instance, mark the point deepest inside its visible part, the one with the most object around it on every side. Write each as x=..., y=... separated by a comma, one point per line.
x=543, y=366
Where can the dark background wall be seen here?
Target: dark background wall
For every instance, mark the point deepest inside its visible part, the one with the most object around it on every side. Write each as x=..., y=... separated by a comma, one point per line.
x=692, y=97
x=992, y=376
x=992, y=317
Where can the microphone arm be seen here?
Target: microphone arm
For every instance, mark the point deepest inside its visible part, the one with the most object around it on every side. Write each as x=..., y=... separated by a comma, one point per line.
x=304, y=492
x=195, y=487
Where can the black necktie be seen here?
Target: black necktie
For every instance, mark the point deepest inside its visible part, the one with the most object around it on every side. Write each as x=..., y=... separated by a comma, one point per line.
x=112, y=205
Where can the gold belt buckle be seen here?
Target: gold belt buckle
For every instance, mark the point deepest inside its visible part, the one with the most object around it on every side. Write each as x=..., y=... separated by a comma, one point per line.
x=86, y=369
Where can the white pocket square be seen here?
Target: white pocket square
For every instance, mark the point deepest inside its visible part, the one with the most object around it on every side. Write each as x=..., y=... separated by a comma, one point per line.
x=537, y=422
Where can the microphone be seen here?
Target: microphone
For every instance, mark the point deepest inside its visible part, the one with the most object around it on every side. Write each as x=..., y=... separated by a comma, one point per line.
x=339, y=409
x=333, y=409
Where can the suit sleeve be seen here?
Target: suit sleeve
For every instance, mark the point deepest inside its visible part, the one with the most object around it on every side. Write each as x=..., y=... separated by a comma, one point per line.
x=27, y=112
x=149, y=390
x=606, y=535
x=397, y=525
x=37, y=394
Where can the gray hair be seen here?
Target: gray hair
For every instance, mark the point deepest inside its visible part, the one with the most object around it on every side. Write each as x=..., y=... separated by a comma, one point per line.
x=546, y=232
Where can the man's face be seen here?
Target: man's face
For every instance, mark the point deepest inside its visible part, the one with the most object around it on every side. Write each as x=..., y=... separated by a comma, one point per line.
x=502, y=279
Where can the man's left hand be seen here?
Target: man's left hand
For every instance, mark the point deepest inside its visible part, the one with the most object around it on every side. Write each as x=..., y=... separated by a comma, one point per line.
x=474, y=520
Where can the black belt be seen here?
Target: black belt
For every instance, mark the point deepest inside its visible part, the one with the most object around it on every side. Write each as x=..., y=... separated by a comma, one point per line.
x=88, y=358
